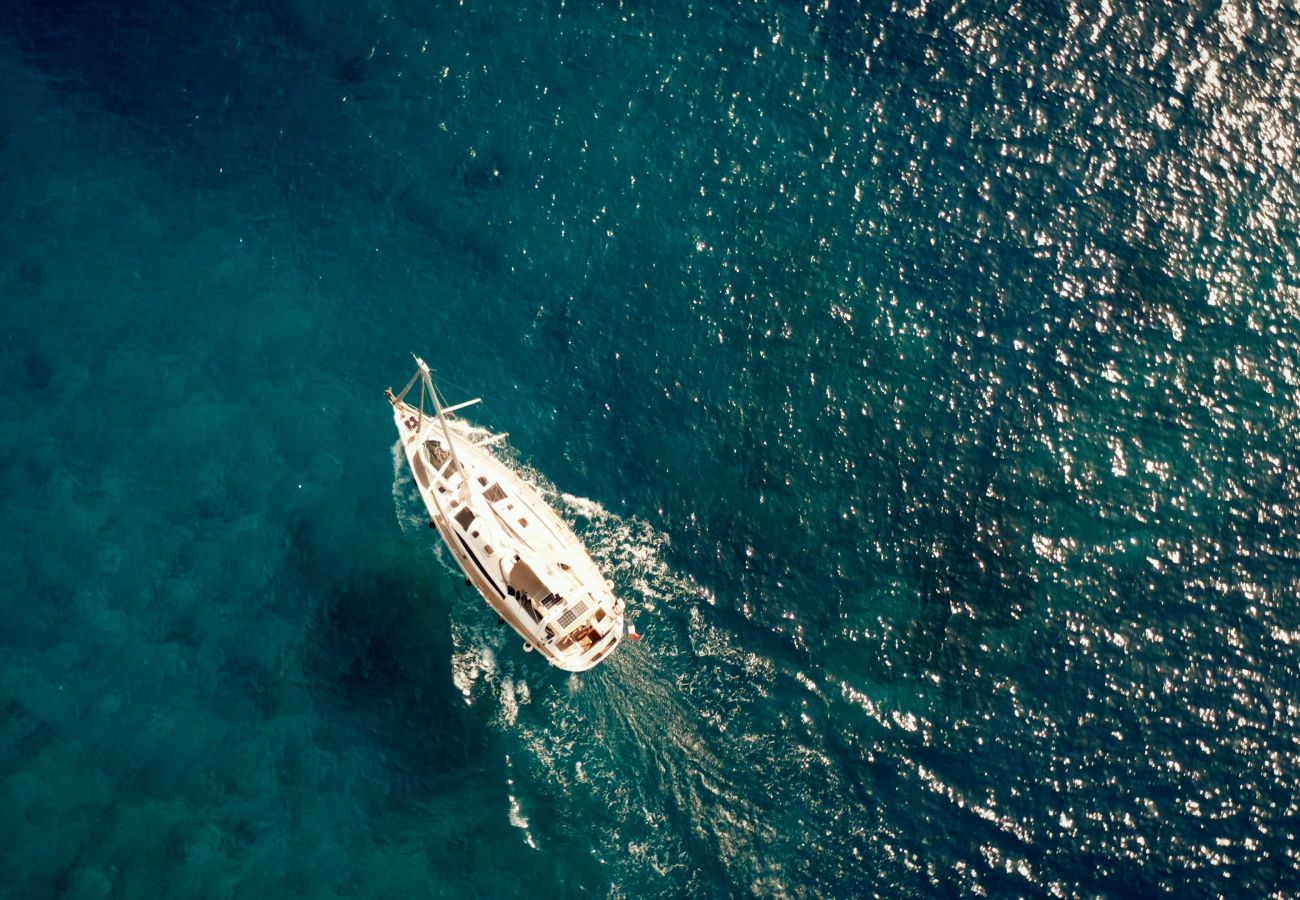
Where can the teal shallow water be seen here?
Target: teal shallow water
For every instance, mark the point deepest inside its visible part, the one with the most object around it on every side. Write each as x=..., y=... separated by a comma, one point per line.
x=926, y=379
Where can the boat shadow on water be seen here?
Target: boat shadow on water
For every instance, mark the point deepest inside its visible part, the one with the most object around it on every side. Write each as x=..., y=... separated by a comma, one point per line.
x=379, y=645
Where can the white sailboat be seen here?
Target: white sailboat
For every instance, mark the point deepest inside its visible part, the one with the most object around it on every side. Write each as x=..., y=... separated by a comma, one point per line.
x=523, y=558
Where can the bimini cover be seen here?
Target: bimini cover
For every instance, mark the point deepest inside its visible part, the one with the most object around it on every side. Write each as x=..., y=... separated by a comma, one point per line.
x=522, y=578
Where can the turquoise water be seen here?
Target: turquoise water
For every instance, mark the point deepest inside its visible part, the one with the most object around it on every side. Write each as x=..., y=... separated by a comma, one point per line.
x=926, y=377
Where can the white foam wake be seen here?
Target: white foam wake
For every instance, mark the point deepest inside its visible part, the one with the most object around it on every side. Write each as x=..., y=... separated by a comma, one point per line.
x=576, y=734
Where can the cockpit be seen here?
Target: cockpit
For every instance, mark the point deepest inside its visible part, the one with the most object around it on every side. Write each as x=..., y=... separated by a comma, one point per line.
x=540, y=599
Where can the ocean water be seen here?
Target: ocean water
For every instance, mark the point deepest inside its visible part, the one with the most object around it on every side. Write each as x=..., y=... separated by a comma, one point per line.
x=926, y=376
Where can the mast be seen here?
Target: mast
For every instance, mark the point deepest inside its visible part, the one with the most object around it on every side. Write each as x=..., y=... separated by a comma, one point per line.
x=446, y=432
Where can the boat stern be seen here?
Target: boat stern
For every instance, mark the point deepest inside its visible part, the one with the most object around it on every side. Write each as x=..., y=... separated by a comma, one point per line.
x=590, y=642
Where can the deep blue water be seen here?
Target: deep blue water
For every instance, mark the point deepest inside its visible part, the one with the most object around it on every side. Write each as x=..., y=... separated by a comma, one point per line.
x=926, y=376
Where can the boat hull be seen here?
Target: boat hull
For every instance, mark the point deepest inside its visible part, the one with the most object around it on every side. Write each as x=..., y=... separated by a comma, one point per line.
x=490, y=546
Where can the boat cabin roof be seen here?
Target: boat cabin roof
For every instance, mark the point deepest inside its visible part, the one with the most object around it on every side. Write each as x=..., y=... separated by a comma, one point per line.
x=524, y=578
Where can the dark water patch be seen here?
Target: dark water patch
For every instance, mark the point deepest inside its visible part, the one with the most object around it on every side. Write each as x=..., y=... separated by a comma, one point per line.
x=39, y=371
x=483, y=168
x=459, y=227
x=353, y=70
x=380, y=653
x=30, y=280
x=29, y=734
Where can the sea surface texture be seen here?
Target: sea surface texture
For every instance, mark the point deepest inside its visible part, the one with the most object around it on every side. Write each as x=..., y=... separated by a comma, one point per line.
x=926, y=376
